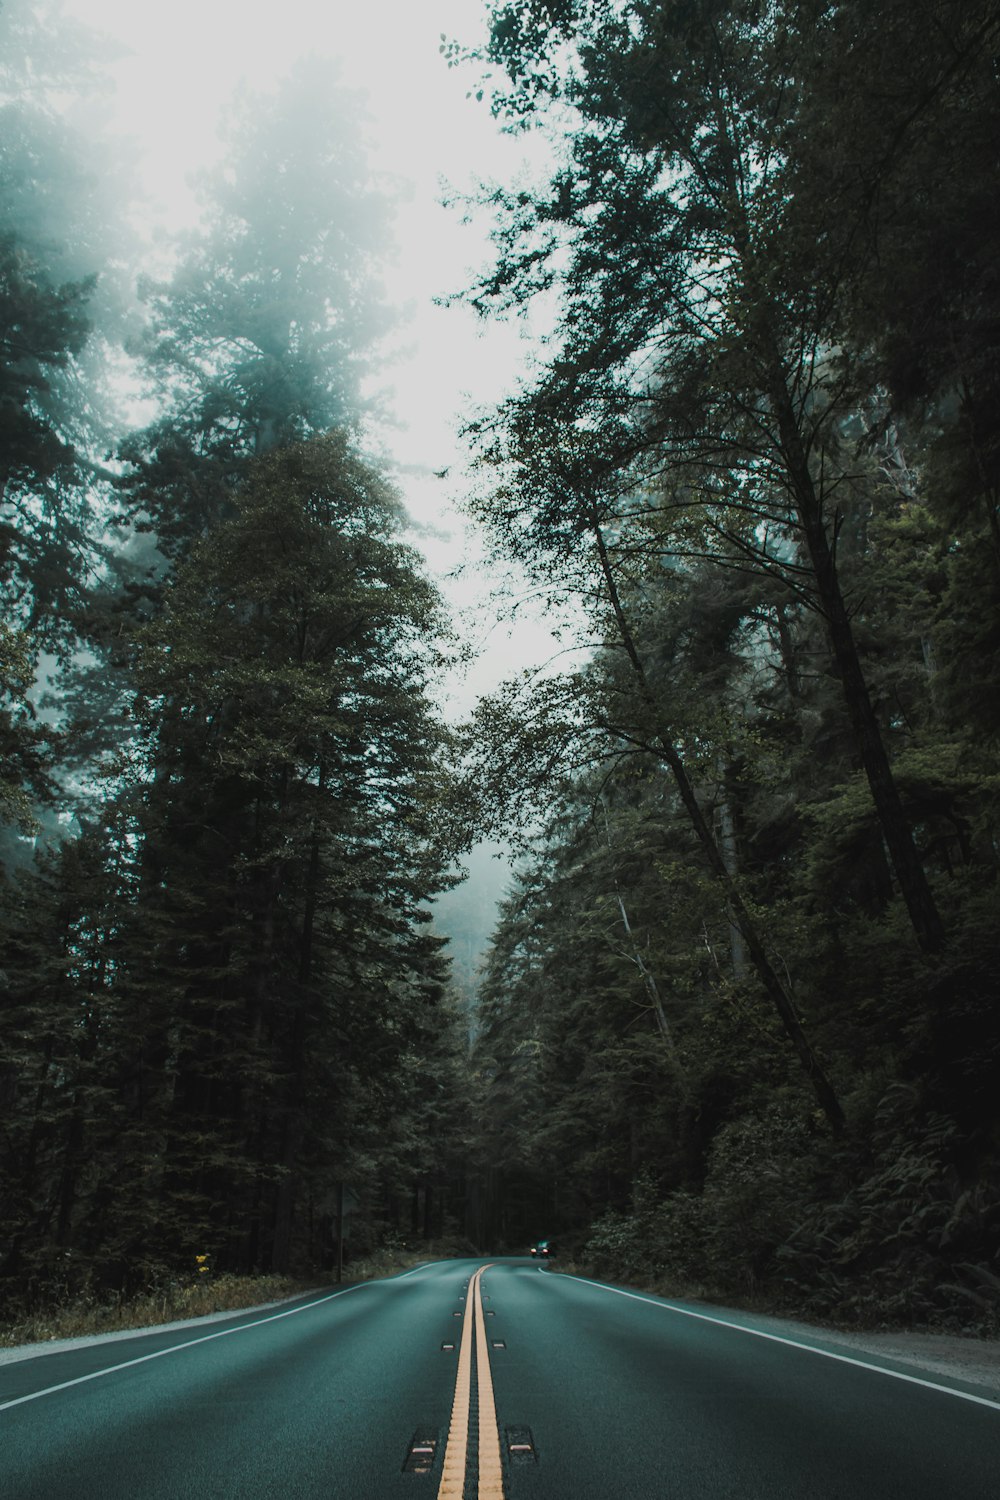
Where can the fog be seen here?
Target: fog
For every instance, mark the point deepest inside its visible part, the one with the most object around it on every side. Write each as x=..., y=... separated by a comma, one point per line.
x=134, y=122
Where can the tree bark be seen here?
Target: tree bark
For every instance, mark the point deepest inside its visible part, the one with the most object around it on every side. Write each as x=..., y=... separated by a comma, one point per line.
x=727, y=845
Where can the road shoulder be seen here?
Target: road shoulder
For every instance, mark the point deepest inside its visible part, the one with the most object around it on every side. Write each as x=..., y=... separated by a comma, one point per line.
x=974, y=1361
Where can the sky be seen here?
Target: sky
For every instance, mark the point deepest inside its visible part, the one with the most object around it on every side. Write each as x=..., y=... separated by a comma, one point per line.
x=181, y=64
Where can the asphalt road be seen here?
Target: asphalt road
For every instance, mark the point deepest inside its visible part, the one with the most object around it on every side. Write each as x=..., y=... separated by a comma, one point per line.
x=595, y=1394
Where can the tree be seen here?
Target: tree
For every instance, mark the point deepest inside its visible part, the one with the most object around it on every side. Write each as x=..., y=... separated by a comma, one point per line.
x=62, y=244
x=45, y=537
x=243, y=1002
x=261, y=335
x=920, y=303
x=62, y=308
x=618, y=714
x=759, y=457
x=698, y=333
x=616, y=1038
x=292, y=824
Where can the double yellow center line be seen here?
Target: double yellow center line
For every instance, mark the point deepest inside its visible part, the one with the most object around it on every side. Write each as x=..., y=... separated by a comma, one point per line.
x=490, y=1479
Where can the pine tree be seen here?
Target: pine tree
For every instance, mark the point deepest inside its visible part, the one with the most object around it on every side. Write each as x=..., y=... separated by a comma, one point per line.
x=263, y=332
x=291, y=826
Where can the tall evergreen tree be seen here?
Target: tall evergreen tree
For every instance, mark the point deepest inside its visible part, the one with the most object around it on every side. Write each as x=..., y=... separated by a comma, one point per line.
x=262, y=334
x=245, y=1002
x=61, y=310
x=292, y=822
x=698, y=334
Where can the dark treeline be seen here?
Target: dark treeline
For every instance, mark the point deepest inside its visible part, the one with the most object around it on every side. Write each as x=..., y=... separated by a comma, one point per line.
x=225, y=792
x=740, y=1025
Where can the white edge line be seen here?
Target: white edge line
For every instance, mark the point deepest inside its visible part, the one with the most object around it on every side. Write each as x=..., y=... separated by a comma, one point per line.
x=776, y=1338
x=188, y=1344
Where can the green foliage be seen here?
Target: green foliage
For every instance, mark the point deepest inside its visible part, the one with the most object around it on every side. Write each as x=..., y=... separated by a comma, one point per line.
x=722, y=1240
x=768, y=482
x=909, y=1239
x=223, y=1007
x=737, y=1033
x=23, y=743
x=245, y=1004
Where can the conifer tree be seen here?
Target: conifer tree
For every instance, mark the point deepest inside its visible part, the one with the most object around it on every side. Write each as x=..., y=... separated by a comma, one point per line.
x=292, y=824
x=260, y=337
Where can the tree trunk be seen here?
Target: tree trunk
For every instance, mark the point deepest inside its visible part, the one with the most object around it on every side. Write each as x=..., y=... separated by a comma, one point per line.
x=791, y=453
x=649, y=980
x=668, y=752
x=727, y=846
x=291, y=1132
x=906, y=863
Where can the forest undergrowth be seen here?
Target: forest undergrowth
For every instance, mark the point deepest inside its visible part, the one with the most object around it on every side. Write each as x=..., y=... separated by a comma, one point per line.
x=200, y=1296
x=878, y=1233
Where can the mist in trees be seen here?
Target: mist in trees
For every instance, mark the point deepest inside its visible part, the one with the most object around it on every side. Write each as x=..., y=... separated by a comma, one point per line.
x=223, y=1000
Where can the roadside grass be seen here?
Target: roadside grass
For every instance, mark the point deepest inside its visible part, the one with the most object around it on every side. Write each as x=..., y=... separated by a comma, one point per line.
x=85, y=1315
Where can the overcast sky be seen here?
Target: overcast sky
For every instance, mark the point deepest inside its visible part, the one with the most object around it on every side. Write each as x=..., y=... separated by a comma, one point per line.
x=181, y=65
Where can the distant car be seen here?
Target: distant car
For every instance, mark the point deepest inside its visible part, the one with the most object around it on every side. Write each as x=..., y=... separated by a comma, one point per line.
x=542, y=1249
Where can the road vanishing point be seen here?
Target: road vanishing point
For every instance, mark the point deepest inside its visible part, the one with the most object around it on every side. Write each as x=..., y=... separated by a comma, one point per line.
x=465, y=1380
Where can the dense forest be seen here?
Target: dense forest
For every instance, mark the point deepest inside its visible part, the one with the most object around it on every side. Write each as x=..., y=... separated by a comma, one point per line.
x=227, y=791
x=740, y=1031
x=737, y=1032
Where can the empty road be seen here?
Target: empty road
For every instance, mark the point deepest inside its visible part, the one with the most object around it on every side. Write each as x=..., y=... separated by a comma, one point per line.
x=454, y=1382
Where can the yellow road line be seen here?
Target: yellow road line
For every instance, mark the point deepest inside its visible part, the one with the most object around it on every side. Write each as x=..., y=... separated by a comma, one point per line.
x=490, y=1469
x=452, y=1486
x=490, y=1479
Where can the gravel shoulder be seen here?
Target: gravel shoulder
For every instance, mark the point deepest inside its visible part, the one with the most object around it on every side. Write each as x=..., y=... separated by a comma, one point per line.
x=962, y=1357
x=974, y=1360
